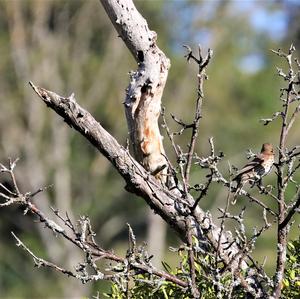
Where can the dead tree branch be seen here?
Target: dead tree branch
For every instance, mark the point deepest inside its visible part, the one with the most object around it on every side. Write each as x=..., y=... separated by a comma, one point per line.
x=143, y=95
x=285, y=161
x=81, y=236
x=202, y=64
x=166, y=203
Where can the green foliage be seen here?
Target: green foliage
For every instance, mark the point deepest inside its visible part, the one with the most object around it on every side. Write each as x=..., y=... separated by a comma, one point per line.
x=148, y=286
x=143, y=289
x=291, y=281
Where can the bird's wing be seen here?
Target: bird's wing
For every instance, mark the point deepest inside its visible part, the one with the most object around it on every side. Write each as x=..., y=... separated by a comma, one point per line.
x=250, y=166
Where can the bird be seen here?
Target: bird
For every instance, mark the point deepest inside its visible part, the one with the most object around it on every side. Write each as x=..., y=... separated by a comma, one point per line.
x=253, y=171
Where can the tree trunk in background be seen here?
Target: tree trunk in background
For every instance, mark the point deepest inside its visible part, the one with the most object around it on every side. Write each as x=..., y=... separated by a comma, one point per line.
x=34, y=167
x=38, y=166
x=156, y=238
x=63, y=201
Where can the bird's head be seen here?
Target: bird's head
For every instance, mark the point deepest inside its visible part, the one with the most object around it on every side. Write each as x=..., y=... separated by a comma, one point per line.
x=267, y=148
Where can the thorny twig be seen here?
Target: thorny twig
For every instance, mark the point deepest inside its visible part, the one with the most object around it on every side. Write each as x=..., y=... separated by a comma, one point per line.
x=289, y=95
x=83, y=238
x=193, y=286
x=202, y=64
x=246, y=244
x=84, y=276
x=266, y=121
x=223, y=222
x=215, y=175
x=185, y=159
x=214, y=160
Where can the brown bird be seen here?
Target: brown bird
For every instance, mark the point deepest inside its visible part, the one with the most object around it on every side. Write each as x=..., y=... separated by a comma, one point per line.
x=253, y=171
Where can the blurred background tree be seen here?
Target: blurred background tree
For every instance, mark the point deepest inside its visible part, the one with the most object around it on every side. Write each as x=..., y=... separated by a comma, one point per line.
x=70, y=46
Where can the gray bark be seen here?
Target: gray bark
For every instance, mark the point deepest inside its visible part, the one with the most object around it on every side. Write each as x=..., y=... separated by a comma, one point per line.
x=139, y=181
x=142, y=106
x=143, y=102
x=143, y=95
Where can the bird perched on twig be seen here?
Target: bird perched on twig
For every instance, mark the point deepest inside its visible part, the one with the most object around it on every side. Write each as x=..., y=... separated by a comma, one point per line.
x=253, y=171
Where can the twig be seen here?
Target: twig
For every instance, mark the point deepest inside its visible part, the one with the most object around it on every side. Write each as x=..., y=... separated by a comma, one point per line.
x=202, y=64
x=41, y=262
x=83, y=239
x=194, y=290
x=290, y=214
x=213, y=160
x=266, y=121
x=223, y=222
x=281, y=182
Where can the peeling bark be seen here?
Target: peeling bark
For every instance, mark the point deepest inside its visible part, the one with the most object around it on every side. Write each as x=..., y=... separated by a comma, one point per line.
x=139, y=181
x=144, y=93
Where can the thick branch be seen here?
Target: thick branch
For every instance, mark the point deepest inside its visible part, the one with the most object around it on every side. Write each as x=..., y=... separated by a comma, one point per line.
x=143, y=95
x=137, y=179
x=81, y=235
x=167, y=204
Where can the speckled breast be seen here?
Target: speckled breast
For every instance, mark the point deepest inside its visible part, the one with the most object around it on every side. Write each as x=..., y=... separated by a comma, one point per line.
x=268, y=164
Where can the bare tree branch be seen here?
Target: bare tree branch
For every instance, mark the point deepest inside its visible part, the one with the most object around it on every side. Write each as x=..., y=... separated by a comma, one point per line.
x=82, y=238
x=166, y=203
x=143, y=95
x=287, y=123
x=194, y=290
x=202, y=64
